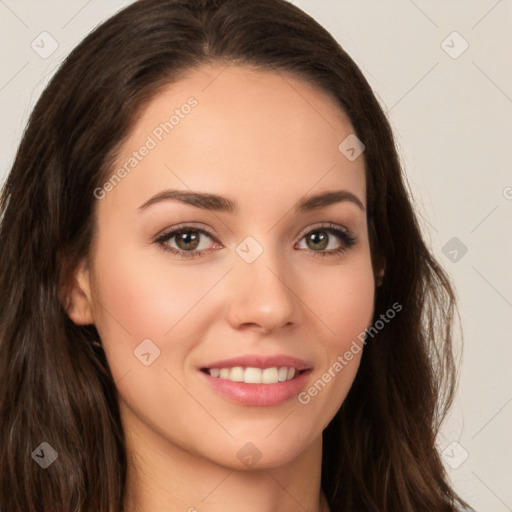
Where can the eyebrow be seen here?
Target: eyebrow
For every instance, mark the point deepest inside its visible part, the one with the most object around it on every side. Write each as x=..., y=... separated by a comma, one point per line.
x=223, y=204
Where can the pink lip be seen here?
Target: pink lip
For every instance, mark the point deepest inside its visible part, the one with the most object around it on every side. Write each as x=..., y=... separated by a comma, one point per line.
x=258, y=361
x=258, y=395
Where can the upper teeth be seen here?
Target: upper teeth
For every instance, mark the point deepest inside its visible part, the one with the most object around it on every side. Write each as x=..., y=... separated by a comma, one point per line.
x=254, y=375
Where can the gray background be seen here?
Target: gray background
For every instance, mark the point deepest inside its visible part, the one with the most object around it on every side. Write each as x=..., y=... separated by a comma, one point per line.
x=451, y=111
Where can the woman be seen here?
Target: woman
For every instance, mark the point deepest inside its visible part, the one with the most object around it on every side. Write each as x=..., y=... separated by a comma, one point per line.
x=218, y=296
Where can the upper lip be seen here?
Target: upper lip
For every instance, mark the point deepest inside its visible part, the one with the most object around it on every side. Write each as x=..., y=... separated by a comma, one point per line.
x=260, y=361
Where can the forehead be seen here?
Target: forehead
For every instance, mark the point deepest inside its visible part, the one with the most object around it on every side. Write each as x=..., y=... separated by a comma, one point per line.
x=242, y=129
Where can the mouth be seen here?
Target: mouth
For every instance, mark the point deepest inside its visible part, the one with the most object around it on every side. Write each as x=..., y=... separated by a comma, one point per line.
x=253, y=375
x=257, y=381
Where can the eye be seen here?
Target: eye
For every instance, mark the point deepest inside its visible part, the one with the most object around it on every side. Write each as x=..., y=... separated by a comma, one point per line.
x=187, y=241
x=321, y=240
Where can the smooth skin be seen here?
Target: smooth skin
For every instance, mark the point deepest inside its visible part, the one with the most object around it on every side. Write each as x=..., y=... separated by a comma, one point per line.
x=265, y=140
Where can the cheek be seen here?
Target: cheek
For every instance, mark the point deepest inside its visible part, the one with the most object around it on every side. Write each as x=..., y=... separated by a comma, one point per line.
x=344, y=302
x=141, y=296
x=136, y=302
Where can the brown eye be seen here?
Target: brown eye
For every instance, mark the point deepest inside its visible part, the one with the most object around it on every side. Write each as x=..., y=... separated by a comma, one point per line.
x=186, y=241
x=322, y=240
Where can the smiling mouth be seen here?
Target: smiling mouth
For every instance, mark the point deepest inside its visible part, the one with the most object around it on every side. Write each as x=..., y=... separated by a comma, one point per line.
x=251, y=375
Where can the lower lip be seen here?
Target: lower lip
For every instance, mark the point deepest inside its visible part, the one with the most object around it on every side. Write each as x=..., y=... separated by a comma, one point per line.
x=258, y=395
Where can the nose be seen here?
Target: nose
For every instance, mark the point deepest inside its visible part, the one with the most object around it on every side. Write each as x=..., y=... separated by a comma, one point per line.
x=263, y=294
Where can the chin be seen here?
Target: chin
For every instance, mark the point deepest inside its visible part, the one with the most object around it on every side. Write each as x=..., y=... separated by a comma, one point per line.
x=253, y=450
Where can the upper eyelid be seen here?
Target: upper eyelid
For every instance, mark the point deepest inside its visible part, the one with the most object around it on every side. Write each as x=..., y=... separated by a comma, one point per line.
x=326, y=225
x=182, y=227
x=203, y=228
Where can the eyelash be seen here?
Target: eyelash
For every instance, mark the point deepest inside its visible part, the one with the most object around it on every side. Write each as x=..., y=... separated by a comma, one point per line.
x=347, y=239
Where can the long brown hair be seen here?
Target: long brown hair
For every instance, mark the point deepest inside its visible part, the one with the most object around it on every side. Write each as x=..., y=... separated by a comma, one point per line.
x=379, y=451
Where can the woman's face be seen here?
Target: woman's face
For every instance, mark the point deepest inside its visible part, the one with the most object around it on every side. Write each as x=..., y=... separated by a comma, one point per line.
x=264, y=283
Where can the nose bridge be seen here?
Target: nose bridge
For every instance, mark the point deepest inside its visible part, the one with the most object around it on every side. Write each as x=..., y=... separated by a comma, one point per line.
x=260, y=292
